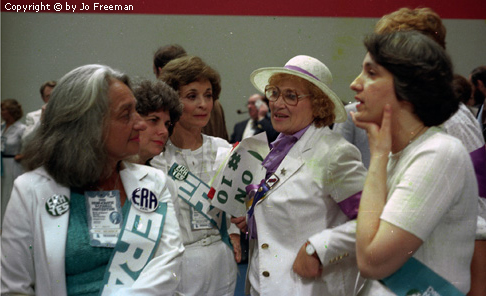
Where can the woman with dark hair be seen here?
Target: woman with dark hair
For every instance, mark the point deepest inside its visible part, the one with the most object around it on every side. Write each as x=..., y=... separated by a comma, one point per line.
x=64, y=242
x=159, y=106
x=12, y=130
x=420, y=195
x=208, y=263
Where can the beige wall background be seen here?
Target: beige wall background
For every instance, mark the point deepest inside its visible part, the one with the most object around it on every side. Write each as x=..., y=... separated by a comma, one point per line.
x=45, y=46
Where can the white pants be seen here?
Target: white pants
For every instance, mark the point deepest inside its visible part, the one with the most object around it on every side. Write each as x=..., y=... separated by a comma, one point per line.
x=208, y=270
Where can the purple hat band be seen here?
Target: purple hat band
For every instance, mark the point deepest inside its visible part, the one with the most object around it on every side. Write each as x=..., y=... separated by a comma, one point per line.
x=298, y=69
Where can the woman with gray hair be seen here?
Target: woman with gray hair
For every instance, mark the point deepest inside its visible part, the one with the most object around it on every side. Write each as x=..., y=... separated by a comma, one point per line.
x=91, y=222
x=159, y=106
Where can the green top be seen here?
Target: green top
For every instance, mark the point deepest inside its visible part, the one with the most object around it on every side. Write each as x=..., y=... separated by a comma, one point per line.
x=85, y=265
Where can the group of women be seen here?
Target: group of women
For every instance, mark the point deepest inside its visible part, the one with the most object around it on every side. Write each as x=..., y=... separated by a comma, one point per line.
x=418, y=199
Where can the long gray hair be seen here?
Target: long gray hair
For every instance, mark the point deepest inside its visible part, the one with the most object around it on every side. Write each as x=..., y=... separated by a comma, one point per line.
x=70, y=143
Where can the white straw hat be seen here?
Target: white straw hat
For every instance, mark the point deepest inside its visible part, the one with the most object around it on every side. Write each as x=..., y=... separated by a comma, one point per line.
x=308, y=68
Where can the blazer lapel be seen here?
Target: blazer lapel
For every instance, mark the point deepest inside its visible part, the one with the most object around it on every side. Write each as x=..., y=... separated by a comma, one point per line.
x=294, y=159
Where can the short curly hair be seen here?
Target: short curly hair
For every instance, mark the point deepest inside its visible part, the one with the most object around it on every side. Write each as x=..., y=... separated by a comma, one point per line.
x=188, y=69
x=13, y=107
x=422, y=73
x=154, y=96
x=424, y=20
x=322, y=106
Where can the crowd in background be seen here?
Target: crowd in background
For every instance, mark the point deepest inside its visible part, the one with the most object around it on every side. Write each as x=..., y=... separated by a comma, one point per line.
x=108, y=178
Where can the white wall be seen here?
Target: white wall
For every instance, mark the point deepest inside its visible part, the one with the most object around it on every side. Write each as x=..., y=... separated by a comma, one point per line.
x=45, y=46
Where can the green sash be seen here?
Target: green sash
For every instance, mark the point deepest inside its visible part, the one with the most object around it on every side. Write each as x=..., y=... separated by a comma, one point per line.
x=415, y=278
x=194, y=192
x=136, y=246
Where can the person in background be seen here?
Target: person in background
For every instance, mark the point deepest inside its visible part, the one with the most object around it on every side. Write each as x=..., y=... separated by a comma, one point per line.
x=209, y=263
x=414, y=166
x=313, y=184
x=217, y=123
x=12, y=130
x=32, y=119
x=257, y=123
x=478, y=81
x=354, y=135
x=165, y=54
x=463, y=91
x=159, y=106
x=76, y=179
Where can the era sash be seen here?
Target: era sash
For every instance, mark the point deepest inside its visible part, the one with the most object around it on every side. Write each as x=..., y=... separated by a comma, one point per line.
x=136, y=246
x=415, y=278
x=194, y=192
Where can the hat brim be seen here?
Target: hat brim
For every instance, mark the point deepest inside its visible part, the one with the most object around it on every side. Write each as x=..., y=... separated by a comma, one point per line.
x=259, y=79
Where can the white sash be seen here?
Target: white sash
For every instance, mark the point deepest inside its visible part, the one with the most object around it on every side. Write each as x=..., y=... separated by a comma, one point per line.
x=136, y=246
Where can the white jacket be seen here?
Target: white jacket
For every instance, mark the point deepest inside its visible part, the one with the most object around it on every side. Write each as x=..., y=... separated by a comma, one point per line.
x=33, y=241
x=321, y=170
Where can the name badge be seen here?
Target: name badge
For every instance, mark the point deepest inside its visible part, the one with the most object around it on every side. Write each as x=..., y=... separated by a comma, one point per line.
x=105, y=217
x=198, y=221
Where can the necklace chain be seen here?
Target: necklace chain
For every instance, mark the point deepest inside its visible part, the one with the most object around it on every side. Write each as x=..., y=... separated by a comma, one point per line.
x=418, y=133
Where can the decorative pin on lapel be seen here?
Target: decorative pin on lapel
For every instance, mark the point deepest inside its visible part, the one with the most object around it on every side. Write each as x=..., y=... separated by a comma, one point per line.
x=283, y=171
x=272, y=181
x=57, y=205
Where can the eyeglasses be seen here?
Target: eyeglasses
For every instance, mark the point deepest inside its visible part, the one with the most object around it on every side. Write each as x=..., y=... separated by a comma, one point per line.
x=289, y=96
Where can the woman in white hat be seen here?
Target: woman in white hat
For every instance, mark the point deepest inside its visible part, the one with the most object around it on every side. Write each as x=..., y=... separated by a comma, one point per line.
x=313, y=183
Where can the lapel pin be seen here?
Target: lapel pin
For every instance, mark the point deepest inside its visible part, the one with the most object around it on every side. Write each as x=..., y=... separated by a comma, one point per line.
x=57, y=205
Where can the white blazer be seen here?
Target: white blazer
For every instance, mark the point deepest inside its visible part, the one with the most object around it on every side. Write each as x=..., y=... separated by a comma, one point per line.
x=321, y=170
x=33, y=241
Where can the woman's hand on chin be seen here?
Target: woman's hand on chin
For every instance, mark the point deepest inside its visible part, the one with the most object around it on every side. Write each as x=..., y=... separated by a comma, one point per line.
x=379, y=137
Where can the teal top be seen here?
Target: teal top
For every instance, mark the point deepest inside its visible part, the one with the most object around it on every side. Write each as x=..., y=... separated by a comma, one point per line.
x=85, y=265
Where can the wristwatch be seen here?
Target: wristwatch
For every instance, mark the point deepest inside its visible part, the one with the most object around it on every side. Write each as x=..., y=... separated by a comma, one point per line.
x=311, y=251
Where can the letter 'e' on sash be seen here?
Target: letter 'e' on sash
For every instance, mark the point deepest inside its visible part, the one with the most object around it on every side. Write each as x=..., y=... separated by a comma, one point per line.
x=137, y=243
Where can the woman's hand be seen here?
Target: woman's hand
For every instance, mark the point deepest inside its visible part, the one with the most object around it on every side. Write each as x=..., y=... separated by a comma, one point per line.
x=235, y=241
x=306, y=266
x=240, y=222
x=379, y=137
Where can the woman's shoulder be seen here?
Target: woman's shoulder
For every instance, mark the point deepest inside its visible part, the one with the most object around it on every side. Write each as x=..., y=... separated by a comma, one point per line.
x=437, y=146
x=140, y=169
x=324, y=136
x=440, y=141
x=35, y=176
x=18, y=125
x=216, y=141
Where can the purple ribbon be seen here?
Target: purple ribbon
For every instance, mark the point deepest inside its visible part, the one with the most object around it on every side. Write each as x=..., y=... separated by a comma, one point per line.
x=350, y=205
x=479, y=161
x=298, y=69
x=250, y=221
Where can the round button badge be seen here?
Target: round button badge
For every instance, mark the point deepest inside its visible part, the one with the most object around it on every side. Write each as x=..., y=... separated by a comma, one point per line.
x=144, y=200
x=57, y=205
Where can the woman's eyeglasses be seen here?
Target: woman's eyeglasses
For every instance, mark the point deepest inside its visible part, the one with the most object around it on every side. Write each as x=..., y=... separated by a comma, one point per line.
x=289, y=96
